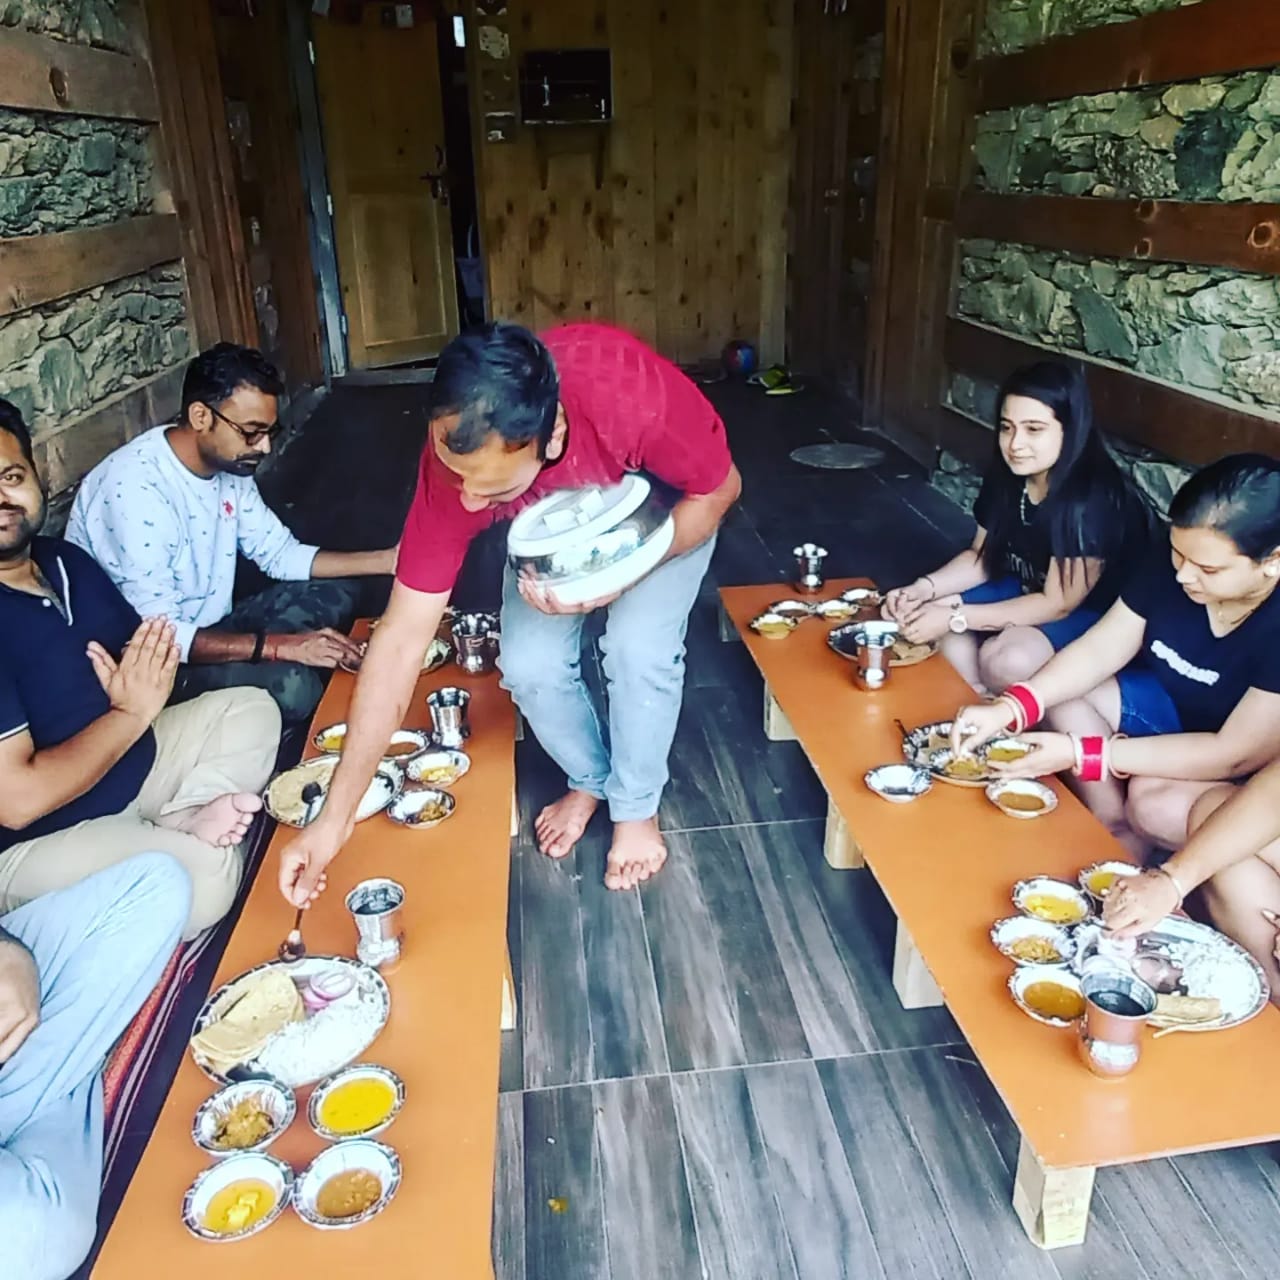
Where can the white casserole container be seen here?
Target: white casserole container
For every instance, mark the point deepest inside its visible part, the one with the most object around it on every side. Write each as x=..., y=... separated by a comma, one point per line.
x=586, y=544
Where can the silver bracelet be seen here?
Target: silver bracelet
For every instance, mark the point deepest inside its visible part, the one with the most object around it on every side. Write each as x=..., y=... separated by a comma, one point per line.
x=1173, y=880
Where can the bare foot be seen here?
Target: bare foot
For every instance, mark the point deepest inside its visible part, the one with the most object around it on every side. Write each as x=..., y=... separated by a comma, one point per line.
x=560, y=825
x=224, y=821
x=638, y=853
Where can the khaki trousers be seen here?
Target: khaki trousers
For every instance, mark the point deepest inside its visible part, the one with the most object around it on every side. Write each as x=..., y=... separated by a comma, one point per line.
x=218, y=743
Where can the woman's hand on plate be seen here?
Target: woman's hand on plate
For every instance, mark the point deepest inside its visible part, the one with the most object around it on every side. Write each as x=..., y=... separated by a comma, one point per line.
x=906, y=602
x=975, y=726
x=1050, y=753
x=931, y=623
x=1136, y=904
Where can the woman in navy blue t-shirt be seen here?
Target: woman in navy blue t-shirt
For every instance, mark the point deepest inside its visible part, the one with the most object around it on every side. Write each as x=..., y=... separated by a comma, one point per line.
x=1055, y=514
x=1202, y=707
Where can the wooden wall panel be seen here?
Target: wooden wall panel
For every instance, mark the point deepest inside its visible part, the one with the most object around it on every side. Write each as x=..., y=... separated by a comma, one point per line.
x=685, y=241
x=1243, y=236
x=675, y=168
x=201, y=172
x=41, y=74
x=1213, y=37
x=633, y=217
x=254, y=61
x=37, y=269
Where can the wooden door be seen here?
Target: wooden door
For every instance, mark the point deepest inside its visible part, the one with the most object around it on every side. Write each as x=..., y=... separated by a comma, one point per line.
x=383, y=121
x=837, y=139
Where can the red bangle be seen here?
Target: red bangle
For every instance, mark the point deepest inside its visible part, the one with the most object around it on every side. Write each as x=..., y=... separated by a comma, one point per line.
x=1029, y=705
x=1092, y=762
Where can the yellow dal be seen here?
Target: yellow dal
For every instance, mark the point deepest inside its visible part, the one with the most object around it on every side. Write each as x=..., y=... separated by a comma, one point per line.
x=239, y=1206
x=358, y=1105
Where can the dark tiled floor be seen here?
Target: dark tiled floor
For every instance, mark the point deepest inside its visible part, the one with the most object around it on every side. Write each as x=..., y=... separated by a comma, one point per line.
x=712, y=1077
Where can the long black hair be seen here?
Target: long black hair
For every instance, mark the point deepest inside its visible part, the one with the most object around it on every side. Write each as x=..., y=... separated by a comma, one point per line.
x=1238, y=496
x=1091, y=506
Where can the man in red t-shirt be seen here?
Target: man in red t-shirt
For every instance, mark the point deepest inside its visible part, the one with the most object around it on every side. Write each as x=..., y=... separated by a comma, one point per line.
x=513, y=419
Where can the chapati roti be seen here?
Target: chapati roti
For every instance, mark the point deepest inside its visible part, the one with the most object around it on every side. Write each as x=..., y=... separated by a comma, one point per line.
x=249, y=1014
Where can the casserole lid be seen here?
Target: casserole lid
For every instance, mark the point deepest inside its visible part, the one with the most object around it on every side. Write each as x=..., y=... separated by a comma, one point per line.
x=572, y=517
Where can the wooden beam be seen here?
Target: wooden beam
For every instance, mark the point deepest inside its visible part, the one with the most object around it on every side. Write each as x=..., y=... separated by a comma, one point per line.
x=1180, y=424
x=71, y=449
x=41, y=74
x=1242, y=236
x=37, y=269
x=1215, y=37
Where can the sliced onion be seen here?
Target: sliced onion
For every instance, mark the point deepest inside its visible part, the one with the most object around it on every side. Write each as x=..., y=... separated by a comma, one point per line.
x=332, y=985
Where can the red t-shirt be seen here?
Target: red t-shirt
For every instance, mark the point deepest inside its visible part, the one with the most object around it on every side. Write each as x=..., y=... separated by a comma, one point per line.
x=628, y=410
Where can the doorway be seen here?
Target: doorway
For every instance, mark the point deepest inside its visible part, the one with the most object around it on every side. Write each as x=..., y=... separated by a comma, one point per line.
x=386, y=159
x=840, y=49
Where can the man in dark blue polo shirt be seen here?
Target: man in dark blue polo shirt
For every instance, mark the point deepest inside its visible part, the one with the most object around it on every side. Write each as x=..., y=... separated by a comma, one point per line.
x=92, y=768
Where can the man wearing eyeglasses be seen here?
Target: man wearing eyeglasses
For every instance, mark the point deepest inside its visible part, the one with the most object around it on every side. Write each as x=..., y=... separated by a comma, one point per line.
x=166, y=514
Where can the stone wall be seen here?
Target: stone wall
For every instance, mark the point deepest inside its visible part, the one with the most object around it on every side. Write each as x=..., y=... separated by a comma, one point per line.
x=61, y=359
x=62, y=173
x=1211, y=330
x=1015, y=24
x=1212, y=139
x=105, y=24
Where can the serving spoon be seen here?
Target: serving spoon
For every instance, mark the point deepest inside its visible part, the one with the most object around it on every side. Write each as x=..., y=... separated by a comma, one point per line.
x=292, y=949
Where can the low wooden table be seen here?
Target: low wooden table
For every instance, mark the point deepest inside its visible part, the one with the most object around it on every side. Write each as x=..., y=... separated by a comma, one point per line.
x=447, y=996
x=946, y=864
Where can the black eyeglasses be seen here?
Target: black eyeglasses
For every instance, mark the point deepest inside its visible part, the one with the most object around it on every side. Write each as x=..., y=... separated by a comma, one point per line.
x=250, y=435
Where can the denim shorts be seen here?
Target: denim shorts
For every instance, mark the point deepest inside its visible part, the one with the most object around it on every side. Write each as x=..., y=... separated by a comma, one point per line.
x=1146, y=709
x=1059, y=634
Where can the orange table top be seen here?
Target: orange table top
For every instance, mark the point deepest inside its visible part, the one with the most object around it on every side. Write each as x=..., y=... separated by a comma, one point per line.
x=442, y=1038
x=947, y=863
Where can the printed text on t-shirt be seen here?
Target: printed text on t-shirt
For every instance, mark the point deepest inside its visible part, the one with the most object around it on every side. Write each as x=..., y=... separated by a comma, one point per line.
x=1182, y=666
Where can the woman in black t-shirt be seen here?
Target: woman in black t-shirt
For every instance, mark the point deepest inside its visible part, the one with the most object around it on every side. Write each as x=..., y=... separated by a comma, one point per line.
x=1054, y=516
x=1202, y=709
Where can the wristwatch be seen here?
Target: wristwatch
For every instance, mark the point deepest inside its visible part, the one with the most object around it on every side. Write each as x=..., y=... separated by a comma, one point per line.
x=958, y=622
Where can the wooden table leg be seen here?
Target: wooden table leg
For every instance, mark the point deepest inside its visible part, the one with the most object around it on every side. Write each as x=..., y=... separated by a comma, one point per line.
x=1052, y=1204
x=838, y=846
x=508, y=1022
x=911, y=978
x=728, y=628
x=777, y=728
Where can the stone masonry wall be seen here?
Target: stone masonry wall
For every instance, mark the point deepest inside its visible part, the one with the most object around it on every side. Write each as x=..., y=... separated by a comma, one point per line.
x=1211, y=330
x=105, y=24
x=62, y=173
x=61, y=359
x=1015, y=24
x=1212, y=139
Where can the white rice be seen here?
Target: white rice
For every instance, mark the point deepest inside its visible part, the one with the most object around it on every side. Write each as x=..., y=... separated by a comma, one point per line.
x=1217, y=971
x=306, y=1051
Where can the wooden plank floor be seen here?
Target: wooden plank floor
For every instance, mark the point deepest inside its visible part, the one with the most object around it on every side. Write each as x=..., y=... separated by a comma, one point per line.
x=712, y=1076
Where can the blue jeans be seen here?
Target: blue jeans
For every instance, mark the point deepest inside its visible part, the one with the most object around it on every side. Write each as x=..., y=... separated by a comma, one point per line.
x=1059, y=634
x=643, y=647
x=1146, y=709
x=99, y=946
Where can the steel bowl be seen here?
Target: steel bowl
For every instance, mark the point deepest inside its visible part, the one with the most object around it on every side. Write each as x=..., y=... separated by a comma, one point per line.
x=898, y=783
